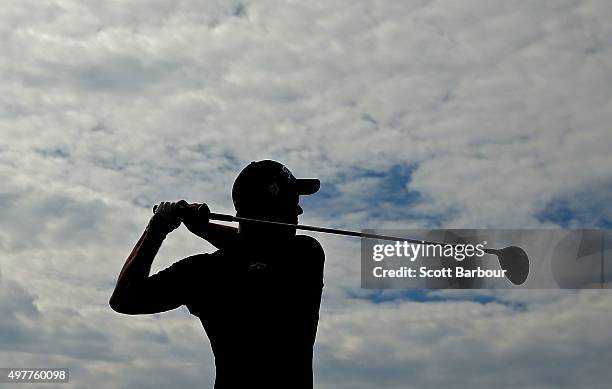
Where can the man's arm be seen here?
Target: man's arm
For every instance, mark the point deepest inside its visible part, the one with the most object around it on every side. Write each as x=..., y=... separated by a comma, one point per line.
x=312, y=288
x=128, y=296
x=138, y=293
x=136, y=269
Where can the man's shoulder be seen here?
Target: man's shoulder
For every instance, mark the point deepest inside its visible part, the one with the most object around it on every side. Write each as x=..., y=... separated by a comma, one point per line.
x=194, y=262
x=309, y=246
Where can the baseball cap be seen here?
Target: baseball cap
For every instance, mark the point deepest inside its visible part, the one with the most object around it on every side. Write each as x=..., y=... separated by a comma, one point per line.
x=267, y=180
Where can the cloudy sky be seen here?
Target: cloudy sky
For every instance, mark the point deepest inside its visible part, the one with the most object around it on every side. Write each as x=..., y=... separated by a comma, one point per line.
x=414, y=114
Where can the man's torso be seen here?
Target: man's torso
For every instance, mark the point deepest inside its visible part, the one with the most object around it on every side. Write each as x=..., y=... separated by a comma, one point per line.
x=261, y=312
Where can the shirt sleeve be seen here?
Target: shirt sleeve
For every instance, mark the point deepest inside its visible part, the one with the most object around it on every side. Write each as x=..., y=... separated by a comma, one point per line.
x=313, y=259
x=171, y=287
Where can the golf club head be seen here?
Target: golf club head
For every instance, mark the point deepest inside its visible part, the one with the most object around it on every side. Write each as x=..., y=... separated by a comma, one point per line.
x=514, y=260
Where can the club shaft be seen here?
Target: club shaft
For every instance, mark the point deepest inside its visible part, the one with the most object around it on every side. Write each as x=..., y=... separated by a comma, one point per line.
x=230, y=218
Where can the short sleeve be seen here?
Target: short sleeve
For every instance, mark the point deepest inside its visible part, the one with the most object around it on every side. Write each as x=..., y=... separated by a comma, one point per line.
x=172, y=287
x=312, y=258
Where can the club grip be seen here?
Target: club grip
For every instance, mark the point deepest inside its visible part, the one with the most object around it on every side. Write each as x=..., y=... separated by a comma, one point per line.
x=154, y=208
x=213, y=216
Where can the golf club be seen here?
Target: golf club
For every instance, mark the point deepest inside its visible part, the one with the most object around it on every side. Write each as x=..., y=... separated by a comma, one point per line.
x=513, y=259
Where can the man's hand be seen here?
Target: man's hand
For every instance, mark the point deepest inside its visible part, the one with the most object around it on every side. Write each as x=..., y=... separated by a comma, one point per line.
x=196, y=217
x=197, y=220
x=167, y=217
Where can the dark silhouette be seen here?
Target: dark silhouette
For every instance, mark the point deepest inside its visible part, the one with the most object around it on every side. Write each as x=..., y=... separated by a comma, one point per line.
x=257, y=296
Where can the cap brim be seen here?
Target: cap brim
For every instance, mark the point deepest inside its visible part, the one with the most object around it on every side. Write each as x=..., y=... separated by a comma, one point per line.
x=307, y=186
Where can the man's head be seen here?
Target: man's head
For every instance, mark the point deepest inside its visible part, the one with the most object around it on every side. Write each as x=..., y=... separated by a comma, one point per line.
x=267, y=190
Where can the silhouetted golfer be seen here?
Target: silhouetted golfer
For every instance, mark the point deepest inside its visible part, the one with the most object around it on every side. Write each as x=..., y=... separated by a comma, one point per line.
x=257, y=297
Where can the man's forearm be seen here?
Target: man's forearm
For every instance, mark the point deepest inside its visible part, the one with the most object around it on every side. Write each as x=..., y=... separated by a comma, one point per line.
x=219, y=235
x=138, y=264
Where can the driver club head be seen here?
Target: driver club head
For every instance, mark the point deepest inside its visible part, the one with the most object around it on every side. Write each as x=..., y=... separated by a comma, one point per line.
x=514, y=260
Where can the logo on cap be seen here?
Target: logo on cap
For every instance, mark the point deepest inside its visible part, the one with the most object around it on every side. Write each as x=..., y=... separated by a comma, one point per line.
x=273, y=189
